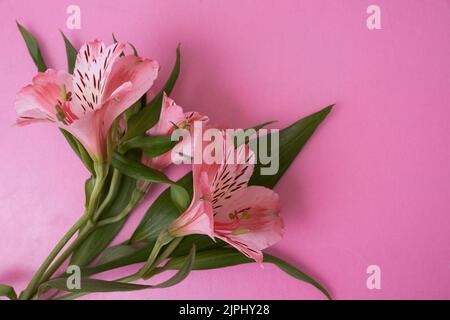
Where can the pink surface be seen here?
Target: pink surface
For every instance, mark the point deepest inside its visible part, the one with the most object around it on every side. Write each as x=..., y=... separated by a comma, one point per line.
x=371, y=187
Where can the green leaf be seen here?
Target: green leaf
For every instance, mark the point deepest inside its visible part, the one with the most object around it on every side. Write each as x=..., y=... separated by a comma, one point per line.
x=71, y=53
x=7, y=291
x=116, y=252
x=292, y=140
x=247, y=133
x=121, y=258
x=101, y=237
x=262, y=125
x=184, y=270
x=137, y=170
x=170, y=83
x=180, y=197
x=225, y=257
x=149, y=115
x=33, y=48
x=201, y=242
x=88, y=187
x=161, y=213
x=131, y=111
x=92, y=285
x=152, y=146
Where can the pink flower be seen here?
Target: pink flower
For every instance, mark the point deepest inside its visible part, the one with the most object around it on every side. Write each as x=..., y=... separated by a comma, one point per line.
x=86, y=103
x=172, y=117
x=225, y=207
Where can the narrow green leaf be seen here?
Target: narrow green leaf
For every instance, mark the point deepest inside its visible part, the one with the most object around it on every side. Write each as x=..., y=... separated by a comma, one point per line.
x=184, y=270
x=152, y=146
x=262, y=125
x=247, y=132
x=180, y=197
x=131, y=111
x=226, y=257
x=116, y=252
x=135, y=169
x=161, y=213
x=71, y=53
x=170, y=83
x=201, y=242
x=92, y=285
x=149, y=115
x=121, y=259
x=292, y=140
x=7, y=291
x=33, y=48
x=88, y=187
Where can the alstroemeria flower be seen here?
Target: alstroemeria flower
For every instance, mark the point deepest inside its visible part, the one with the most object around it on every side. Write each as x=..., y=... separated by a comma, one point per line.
x=225, y=207
x=172, y=117
x=86, y=103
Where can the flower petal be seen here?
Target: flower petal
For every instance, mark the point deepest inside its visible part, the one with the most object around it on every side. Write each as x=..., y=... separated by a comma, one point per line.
x=233, y=174
x=37, y=101
x=89, y=131
x=249, y=221
x=129, y=80
x=198, y=218
x=92, y=69
x=171, y=114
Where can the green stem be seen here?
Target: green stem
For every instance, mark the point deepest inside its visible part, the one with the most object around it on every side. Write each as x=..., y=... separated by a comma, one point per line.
x=166, y=253
x=136, y=198
x=72, y=247
x=114, y=187
x=96, y=191
x=163, y=239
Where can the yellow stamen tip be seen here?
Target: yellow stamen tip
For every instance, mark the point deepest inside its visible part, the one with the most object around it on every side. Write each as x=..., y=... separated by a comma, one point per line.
x=239, y=231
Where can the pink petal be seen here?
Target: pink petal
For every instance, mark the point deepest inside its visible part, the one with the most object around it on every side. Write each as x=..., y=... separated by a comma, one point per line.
x=138, y=75
x=89, y=131
x=38, y=100
x=171, y=114
x=92, y=70
x=198, y=218
x=232, y=177
x=256, y=224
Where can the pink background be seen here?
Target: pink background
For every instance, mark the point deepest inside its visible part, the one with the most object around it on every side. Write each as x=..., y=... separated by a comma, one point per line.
x=371, y=187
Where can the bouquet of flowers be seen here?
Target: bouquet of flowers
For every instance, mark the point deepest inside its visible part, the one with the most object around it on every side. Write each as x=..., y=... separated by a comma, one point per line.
x=222, y=213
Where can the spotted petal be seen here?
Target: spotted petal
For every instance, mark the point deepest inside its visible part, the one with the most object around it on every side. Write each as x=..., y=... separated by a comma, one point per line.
x=92, y=69
x=36, y=102
x=249, y=221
